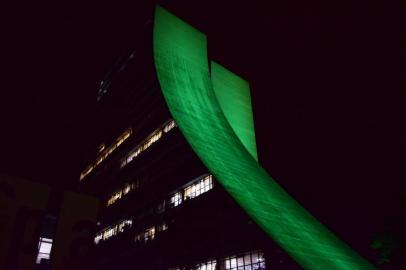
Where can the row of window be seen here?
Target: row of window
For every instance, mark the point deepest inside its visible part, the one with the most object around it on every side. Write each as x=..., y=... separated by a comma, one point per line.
x=149, y=233
x=248, y=261
x=208, y=265
x=122, y=192
x=195, y=189
x=112, y=230
x=141, y=237
x=202, y=185
x=106, y=152
x=253, y=260
x=150, y=140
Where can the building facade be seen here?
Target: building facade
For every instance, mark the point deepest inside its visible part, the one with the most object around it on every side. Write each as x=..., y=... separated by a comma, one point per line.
x=161, y=208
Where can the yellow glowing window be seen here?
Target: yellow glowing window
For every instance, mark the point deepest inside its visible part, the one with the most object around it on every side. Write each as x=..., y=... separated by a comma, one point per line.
x=150, y=140
x=105, y=152
x=112, y=230
x=122, y=192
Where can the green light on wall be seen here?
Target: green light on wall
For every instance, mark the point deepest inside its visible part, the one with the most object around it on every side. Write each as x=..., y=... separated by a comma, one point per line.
x=234, y=97
x=200, y=108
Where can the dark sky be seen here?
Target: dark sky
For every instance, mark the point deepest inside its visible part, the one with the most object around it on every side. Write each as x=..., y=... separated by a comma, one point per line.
x=327, y=81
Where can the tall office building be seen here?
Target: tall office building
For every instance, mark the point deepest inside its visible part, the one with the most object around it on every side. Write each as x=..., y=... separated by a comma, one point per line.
x=161, y=208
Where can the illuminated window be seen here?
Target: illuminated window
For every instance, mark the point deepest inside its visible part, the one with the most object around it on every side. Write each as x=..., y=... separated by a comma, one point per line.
x=151, y=139
x=112, y=230
x=248, y=261
x=169, y=126
x=101, y=147
x=116, y=196
x=98, y=238
x=150, y=233
x=122, y=192
x=176, y=199
x=44, y=249
x=162, y=227
x=198, y=188
x=142, y=147
x=147, y=235
x=209, y=265
x=106, y=152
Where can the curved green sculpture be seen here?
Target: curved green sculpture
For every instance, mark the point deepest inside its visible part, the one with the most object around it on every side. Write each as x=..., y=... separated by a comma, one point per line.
x=181, y=62
x=234, y=97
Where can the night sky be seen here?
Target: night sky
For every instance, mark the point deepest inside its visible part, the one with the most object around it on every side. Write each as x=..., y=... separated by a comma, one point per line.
x=327, y=84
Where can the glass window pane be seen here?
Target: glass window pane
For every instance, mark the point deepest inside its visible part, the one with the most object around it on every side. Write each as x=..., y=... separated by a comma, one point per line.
x=233, y=262
x=227, y=263
x=240, y=261
x=45, y=248
x=247, y=259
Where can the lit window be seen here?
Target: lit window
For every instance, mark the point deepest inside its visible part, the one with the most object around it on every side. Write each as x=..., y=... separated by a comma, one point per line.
x=176, y=199
x=101, y=147
x=98, y=238
x=44, y=249
x=105, y=152
x=162, y=227
x=150, y=233
x=145, y=236
x=209, y=265
x=127, y=189
x=199, y=187
x=170, y=125
x=112, y=230
x=122, y=192
x=123, y=225
x=246, y=261
x=144, y=145
x=250, y=260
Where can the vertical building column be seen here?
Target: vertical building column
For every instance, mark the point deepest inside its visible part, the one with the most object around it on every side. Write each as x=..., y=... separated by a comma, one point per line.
x=22, y=207
x=74, y=236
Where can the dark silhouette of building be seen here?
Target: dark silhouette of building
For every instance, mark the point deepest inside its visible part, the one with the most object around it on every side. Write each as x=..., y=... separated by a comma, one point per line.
x=160, y=206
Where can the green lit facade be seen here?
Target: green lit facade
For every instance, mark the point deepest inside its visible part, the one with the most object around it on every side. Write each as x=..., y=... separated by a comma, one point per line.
x=212, y=108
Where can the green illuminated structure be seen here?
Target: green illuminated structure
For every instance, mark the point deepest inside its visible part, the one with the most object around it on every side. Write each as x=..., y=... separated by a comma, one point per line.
x=233, y=95
x=202, y=105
